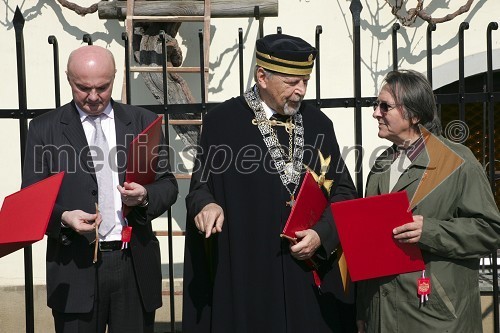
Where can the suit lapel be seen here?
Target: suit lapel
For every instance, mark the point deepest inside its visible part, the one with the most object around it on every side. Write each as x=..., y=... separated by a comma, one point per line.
x=125, y=133
x=73, y=131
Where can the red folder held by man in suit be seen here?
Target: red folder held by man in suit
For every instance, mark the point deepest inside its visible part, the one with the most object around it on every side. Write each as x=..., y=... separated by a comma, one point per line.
x=25, y=214
x=365, y=231
x=142, y=156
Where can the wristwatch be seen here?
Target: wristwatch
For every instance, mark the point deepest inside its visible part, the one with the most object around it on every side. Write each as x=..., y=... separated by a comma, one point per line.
x=144, y=202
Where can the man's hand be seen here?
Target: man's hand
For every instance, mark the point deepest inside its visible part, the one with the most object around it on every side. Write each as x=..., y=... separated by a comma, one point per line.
x=210, y=219
x=410, y=232
x=307, y=245
x=80, y=221
x=133, y=194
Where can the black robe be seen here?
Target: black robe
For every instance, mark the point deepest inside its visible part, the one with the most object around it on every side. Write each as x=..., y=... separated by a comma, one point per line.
x=244, y=279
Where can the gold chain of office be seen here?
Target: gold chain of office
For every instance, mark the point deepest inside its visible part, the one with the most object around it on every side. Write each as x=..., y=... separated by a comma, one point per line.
x=289, y=171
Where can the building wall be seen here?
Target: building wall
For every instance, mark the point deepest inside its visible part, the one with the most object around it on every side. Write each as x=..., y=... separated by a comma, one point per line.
x=296, y=17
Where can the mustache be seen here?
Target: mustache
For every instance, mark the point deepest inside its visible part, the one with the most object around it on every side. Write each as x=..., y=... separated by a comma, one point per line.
x=291, y=110
x=295, y=100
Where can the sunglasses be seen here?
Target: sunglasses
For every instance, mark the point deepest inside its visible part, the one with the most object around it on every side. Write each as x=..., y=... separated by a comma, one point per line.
x=384, y=107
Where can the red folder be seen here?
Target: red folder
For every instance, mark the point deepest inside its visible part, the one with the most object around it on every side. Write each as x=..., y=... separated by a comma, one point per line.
x=143, y=154
x=307, y=209
x=25, y=214
x=306, y=212
x=143, y=157
x=365, y=231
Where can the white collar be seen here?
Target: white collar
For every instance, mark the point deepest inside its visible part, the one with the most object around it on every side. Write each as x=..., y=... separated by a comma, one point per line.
x=269, y=112
x=108, y=111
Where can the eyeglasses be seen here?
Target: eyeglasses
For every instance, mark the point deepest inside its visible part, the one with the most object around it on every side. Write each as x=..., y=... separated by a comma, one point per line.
x=384, y=107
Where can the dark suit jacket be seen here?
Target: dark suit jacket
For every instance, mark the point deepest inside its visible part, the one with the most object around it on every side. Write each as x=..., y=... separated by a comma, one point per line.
x=56, y=142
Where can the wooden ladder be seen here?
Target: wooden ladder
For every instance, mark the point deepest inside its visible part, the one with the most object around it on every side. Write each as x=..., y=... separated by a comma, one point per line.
x=130, y=19
x=205, y=18
x=129, y=27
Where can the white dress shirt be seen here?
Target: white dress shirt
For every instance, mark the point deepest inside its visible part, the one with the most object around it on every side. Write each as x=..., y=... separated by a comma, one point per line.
x=108, y=127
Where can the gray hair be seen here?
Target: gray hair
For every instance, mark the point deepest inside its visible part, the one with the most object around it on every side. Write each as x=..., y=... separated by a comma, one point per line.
x=267, y=73
x=413, y=91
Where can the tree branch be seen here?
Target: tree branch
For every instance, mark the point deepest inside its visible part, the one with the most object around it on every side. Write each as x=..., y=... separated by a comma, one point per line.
x=78, y=9
x=412, y=14
x=463, y=9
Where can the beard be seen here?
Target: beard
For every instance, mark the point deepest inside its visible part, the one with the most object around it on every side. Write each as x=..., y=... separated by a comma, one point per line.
x=290, y=110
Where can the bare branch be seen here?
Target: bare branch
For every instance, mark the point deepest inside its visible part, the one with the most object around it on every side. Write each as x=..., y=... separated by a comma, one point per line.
x=78, y=9
x=463, y=9
x=418, y=11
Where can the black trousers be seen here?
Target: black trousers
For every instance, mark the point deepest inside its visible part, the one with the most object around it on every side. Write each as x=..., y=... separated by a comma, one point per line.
x=118, y=304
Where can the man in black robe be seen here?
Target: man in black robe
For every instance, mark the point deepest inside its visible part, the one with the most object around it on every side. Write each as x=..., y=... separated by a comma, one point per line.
x=239, y=275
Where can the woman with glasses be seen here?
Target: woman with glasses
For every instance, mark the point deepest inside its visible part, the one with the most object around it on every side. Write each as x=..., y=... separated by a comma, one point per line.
x=455, y=218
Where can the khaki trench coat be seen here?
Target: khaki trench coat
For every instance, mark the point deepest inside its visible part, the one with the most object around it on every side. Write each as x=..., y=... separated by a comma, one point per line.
x=461, y=224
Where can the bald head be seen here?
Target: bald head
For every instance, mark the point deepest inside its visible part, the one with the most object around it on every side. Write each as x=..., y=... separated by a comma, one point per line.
x=91, y=71
x=91, y=55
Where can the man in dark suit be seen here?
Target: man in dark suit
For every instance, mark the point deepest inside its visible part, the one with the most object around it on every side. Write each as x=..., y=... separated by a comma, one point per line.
x=122, y=290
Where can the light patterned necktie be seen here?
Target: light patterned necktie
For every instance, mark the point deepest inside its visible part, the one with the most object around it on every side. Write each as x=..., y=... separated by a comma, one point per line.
x=104, y=177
